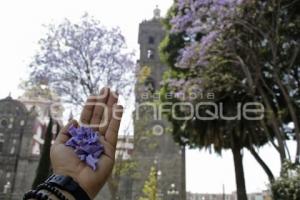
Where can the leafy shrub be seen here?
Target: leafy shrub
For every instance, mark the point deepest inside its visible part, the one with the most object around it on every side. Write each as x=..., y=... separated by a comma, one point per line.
x=287, y=186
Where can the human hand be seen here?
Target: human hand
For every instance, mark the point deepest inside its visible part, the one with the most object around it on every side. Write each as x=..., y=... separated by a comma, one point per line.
x=101, y=113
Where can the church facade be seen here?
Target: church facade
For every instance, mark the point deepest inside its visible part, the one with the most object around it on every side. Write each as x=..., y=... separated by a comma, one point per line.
x=17, y=159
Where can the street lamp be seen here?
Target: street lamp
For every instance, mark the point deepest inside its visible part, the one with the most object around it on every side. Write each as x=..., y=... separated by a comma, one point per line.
x=159, y=173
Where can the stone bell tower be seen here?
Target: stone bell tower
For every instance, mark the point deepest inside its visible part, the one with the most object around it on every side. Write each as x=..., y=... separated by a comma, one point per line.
x=151, y=33
x=154, y=145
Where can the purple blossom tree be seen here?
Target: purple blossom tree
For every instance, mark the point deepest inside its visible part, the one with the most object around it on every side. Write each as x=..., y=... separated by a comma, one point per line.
x=238, y=50
x=75, y=59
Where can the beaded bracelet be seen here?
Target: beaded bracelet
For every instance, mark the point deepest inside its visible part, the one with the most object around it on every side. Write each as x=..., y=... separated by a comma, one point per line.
x=52, y=189
x=41, y=196
x=36, y=195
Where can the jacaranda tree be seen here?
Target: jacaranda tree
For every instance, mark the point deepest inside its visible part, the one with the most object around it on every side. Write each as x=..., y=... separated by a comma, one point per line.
x=76, y=59
x=241, y=51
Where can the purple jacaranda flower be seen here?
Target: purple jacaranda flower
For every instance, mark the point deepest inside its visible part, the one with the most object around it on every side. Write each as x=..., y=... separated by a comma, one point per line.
x=86, y=145
x=180, y=23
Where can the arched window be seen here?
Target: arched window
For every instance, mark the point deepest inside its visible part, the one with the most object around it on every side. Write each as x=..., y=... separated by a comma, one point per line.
x=151, y=40
x=3, y=123
x=150, y=54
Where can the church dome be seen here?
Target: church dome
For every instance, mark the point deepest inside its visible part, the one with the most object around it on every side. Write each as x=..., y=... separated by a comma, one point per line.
x=9, y=105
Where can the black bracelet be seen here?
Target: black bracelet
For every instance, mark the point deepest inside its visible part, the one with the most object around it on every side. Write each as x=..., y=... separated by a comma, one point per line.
x=52, y=189
x=36, y=195
x=67, y=183
x=41, y=196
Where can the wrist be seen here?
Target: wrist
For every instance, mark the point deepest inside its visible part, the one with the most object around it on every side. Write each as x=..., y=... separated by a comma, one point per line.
x=69, y=185
x=89, y=191
x=54, y=197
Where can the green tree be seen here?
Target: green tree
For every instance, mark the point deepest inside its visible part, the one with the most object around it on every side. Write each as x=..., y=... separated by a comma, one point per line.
x=44, y=166
x=150, y=186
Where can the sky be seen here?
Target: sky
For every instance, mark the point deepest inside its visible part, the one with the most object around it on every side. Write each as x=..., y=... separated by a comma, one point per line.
x=21, y=25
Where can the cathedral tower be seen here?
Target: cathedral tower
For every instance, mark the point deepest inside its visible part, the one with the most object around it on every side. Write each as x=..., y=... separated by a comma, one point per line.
x=154, y=145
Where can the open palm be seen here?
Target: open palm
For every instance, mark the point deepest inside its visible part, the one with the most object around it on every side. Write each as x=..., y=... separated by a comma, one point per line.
x=101, y=113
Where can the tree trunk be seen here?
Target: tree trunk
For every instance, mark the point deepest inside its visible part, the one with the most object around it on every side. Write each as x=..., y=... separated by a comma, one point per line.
x=262, y=164
x=293, y=114
x=275, y=125
x=239, y=171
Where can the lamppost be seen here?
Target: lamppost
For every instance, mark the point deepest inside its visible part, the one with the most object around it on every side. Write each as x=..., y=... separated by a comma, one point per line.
x=173, y=192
